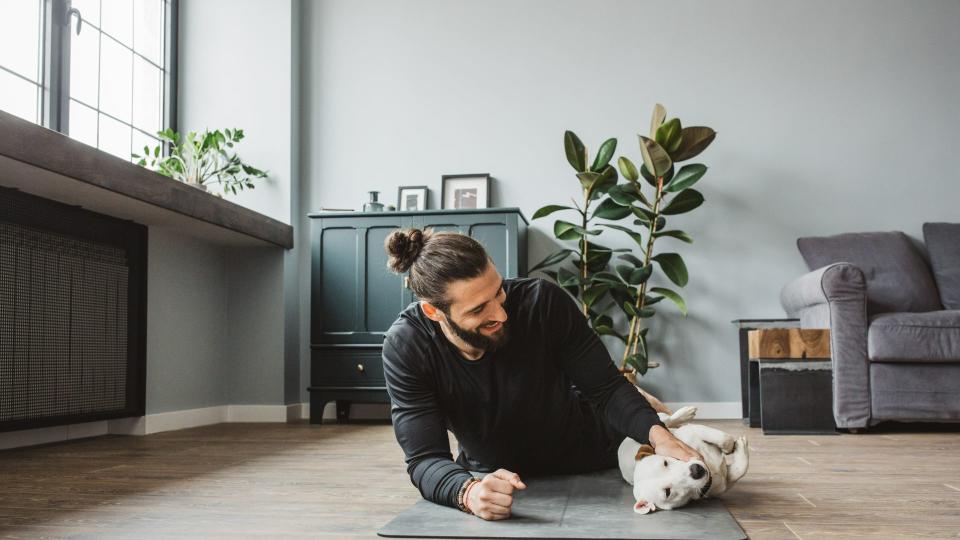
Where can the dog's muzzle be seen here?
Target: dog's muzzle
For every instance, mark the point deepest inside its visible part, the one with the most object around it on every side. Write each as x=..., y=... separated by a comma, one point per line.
x=706, y=487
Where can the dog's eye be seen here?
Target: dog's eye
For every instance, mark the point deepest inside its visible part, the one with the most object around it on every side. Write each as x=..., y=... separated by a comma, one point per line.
x=664, y=463
x=666, y=493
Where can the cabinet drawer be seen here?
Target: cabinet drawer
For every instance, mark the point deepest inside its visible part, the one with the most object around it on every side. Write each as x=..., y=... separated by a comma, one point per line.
x=353, y=367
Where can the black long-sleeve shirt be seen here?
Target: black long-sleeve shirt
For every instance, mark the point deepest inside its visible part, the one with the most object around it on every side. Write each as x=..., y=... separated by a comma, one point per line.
x=515, y=408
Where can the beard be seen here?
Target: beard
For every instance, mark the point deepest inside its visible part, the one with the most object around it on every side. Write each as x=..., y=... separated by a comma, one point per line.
x=476, y=339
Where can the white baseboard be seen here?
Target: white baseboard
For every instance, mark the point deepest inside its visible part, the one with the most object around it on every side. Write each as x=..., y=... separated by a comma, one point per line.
x=295, y=412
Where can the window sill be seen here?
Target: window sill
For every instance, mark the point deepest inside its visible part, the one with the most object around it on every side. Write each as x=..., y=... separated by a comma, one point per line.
x=49, y=164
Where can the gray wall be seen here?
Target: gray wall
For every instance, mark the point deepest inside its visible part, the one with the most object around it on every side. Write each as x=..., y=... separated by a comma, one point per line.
x=832, y=117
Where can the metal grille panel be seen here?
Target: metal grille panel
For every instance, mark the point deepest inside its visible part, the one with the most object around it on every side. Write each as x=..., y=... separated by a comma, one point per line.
x=64, y=322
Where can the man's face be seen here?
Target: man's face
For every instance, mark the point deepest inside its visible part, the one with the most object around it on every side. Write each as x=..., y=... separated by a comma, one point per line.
x=476, y=313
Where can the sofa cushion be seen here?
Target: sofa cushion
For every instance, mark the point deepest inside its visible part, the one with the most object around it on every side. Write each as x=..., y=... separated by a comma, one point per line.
x=933, y=336
x=943, y=243
x=898, y=278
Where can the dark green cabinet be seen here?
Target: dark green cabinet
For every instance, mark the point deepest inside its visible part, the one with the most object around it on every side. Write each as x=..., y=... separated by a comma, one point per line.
x=354, y=298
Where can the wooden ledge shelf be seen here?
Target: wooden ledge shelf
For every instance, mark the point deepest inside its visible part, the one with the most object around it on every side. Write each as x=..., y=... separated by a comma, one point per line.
x=49, y=164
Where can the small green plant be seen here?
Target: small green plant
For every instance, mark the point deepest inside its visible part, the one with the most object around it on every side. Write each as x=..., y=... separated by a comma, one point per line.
x=201, y=159
x=591, y=283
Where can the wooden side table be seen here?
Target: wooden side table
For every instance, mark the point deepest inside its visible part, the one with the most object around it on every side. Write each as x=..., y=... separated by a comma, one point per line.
x=749, y=371
x=795, y=380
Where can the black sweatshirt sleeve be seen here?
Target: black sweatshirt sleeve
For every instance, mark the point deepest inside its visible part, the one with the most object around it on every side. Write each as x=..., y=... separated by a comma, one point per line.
x=587, y=362
x=420, y=428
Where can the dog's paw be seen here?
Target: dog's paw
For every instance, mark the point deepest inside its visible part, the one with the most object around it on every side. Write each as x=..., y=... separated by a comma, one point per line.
x=728, y=444
x=681, y=416
x=740, y=445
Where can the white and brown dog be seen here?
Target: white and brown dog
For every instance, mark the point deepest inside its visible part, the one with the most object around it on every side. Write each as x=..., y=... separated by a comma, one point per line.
x=668, y=483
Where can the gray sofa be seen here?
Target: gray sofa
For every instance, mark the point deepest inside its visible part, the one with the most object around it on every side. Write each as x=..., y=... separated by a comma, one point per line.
x=894, y=325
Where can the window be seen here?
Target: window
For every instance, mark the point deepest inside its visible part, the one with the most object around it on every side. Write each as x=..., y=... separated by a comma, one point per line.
x=101, y=71
x=21, y=78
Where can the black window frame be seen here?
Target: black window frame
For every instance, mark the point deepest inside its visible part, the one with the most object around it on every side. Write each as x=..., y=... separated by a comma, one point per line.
x=58, y=21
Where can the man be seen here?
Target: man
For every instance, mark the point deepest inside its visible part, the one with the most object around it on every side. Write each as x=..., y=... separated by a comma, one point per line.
x=512, y=368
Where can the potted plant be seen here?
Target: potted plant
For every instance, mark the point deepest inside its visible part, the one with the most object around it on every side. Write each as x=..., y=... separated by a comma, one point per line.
x=598, y=289
x=202, y=159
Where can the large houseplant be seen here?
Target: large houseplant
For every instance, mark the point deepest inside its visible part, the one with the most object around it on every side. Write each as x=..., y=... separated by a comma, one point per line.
x=599, y=289
x=202, y=159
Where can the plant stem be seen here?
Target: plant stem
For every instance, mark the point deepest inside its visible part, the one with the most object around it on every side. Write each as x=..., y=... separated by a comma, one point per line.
x=633, y=337
x=583, y=254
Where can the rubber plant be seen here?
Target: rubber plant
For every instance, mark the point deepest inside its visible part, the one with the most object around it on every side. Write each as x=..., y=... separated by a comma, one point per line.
x=600, y=289
x=201, y=159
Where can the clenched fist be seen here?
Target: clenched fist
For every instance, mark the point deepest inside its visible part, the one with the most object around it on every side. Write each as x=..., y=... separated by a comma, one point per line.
x=491, y=497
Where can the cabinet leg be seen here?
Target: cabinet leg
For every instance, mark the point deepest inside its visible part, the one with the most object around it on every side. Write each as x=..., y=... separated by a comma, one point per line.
x=343, y=411
x=316, y=410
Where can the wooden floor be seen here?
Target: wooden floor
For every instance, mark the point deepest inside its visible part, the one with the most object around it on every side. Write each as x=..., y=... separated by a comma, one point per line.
x=331, y=481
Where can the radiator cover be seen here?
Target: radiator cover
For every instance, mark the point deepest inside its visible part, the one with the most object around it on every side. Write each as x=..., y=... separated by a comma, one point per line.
x=72, y=314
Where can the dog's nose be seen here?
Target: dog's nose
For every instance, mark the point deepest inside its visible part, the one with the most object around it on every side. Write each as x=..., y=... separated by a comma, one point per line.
x=697, y=471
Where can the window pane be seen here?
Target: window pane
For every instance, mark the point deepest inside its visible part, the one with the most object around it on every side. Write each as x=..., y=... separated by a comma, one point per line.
x=148, y=29
x=18, y=97
x=146, y=95
x=117, y=17
x=84, y=60
x=83, y=123
x=20, y=37
x=114, y=137
x=140, y=140
x=116, y=66
x=89, y=10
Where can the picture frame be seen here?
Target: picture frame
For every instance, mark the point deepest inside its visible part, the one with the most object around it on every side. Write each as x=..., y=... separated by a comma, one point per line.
x=465, y=191
x=412, y=198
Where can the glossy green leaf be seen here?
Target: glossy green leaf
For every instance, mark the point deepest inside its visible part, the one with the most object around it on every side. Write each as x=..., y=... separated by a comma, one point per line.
x=607, y=180
x=688, y=176
x=676, y=298
x=604, y=155
x=638, y=362
x=624, y=194
x=635, y=235
x=679, y=235
x=655, y=158
x=549, y=209
x=684, y=201
x=643, y=215
x=566, y=278
x=639, y=275
x=631, y=258
x=668, y=135
x=646, y=313
x=564, y=230
x=628, y=169
x=594, y=293
x=575, y=151
x=607, y=277
x=609, y=209
x=673, y=266
x=656, y=119
x=629, y=309
x=694, y=139
x=588, y=179
x=551, y=259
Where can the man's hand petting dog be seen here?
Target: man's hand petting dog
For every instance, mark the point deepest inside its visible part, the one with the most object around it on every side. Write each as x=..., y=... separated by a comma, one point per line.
x=491, y=497
x=666, y=444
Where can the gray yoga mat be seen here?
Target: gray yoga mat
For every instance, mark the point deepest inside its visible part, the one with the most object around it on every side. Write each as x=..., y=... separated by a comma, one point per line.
x=594, y=505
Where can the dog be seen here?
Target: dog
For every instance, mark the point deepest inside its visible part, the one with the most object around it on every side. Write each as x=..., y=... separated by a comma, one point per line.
x=661, y=482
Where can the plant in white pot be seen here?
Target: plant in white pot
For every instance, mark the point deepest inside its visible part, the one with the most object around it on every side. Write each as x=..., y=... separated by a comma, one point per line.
x=202, y=159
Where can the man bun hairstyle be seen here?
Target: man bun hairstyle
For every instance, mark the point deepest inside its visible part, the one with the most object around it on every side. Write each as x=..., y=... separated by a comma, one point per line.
x=434, y=260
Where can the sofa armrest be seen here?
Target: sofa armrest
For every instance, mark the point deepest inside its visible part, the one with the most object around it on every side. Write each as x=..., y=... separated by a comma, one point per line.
x=835, y=297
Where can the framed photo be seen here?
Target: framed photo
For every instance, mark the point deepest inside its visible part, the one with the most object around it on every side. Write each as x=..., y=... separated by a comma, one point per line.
x=411, y=198
x=465, y=191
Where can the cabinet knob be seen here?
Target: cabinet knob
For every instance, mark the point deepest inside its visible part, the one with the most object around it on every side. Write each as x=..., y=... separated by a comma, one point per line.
x=360, y=368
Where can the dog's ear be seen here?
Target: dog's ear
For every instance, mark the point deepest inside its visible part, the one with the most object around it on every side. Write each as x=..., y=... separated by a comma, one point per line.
x=644, y=451
x=644, y=507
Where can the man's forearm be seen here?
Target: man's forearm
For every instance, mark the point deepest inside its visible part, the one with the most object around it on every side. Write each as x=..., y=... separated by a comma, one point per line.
x=438, y=479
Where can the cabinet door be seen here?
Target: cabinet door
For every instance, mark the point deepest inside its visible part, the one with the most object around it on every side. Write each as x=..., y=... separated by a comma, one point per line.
x=354, y=296
x=496, y=232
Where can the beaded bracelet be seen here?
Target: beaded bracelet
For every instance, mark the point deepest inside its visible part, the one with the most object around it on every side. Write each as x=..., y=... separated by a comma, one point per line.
x=461, y=503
